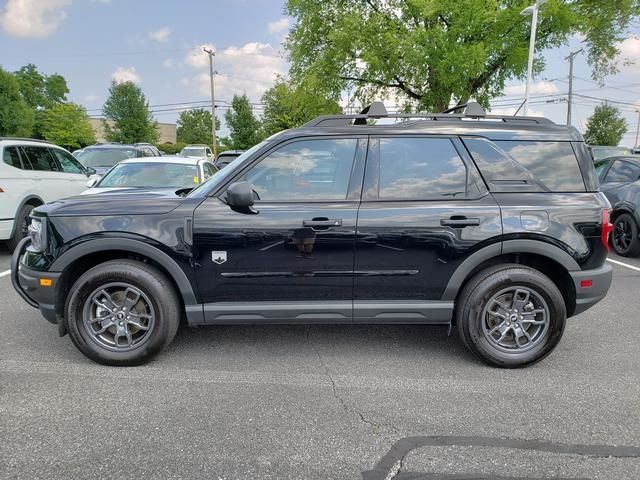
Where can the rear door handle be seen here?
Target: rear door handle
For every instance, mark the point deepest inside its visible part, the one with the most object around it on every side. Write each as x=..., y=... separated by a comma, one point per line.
x=323, y=222
x=460, y=222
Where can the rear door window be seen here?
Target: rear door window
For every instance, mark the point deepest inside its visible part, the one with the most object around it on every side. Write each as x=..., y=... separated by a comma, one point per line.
x=421, y=168
x=39, y=158
x=623, y=171
x=553, y=164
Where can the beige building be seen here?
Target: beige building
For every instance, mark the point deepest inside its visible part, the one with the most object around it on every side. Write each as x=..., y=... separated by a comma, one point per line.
x=167, y=131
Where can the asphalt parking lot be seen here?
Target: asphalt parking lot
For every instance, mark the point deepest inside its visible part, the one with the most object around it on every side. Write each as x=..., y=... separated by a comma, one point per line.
x=323, y=402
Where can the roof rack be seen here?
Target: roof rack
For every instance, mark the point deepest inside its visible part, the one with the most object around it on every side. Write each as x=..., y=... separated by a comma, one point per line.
x=27, y=140
x=377, y=110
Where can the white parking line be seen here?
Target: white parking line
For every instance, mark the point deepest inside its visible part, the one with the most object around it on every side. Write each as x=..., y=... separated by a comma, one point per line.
x=623, y=264
x=5, y=273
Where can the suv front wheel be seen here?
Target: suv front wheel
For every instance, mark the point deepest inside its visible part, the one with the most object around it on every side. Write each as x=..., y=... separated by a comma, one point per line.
x=510, y=316
x=122, y=312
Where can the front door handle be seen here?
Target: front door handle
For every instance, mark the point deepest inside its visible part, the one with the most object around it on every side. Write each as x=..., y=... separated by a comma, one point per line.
x=460, y=222
x=323, y=222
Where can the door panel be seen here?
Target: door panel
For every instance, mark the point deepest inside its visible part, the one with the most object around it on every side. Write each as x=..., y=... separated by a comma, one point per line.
x=428, y=209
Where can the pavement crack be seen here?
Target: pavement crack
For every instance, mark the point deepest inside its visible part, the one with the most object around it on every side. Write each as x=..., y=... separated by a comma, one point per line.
x=376, y=427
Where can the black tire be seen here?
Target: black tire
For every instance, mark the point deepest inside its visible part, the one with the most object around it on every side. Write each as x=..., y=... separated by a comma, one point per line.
x=624, y=237
x=474, y=314
x=153, y=288
x=20, y=231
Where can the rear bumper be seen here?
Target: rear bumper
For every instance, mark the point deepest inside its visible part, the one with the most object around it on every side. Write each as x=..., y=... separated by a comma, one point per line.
x=588, y=296
x=27, y=282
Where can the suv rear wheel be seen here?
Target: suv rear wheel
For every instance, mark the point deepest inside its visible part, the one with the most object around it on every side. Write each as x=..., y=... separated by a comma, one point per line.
x=122, y=312
x=510, y=316
x=624, y=238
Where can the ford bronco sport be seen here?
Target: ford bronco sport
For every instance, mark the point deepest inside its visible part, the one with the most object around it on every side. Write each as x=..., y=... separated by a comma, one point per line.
x=494, y=224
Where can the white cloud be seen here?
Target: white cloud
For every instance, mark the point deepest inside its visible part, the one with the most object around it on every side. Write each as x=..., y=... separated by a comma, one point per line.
x=124, y=74
x=33, y=18
x=251, y=69
x=168, y=63
x=279, y=26
x=537, y=88
x=508, y=112
x=90, y=98
x=161, y=35
x=629, y=54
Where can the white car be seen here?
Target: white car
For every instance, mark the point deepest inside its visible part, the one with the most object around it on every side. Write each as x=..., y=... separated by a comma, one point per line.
x=197, y=151
x=152, y=173
x=33, y=172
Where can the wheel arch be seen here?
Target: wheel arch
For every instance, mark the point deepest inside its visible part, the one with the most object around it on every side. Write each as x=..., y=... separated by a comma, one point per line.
x=624, y=207
x=34, y=200
x=84, y=256
x=546, y=258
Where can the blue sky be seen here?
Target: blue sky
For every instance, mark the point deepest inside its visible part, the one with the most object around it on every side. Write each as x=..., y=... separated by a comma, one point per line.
x=158, y=44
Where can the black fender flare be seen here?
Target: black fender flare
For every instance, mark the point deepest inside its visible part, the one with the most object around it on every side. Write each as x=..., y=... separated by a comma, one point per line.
x=135, y=246
x=626, y=207
x=536, y=247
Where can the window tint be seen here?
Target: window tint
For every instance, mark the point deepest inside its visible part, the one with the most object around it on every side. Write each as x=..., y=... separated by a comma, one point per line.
x=40, y=159
x=67, y=162
x=553, y=164
x=12, y=157
x=420, y=169
x=305, y=170
x=622, y=171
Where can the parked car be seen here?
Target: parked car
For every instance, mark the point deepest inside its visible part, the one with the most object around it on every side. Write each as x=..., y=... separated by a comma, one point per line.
x=225, y=158
x=150, y=148
x=620, y=182
x=599, y=152
x=502, y=230
x=33, y=172
x=154, y=173
x=102, y=157
x=197, y=151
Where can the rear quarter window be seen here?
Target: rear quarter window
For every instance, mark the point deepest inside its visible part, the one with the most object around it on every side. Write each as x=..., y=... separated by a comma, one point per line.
x=554, y=164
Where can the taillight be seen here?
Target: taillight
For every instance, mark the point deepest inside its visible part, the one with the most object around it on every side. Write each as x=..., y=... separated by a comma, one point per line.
x=607, y=228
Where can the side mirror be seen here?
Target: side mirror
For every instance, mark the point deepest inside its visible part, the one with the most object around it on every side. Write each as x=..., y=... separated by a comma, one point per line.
x=92, y=181
x=240, y=195
x=90, y=171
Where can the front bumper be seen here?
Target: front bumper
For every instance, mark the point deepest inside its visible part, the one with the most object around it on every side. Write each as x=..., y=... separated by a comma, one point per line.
x=37, y=288
x=588, y=296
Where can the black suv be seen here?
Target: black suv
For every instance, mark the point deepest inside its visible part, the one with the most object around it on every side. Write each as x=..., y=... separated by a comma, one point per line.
x=491, y=223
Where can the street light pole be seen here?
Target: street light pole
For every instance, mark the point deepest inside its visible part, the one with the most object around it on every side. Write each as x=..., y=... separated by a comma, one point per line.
x=533, y=11
x=211, y=54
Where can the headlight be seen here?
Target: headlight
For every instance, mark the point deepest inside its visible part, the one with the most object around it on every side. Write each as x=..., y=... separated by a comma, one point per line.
x=38, y=235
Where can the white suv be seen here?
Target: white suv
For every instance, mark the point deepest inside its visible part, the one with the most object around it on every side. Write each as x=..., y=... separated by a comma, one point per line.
x=33, y=172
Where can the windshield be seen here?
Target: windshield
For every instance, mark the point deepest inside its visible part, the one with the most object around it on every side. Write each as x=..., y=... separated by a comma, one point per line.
x=193, y=152
x=221, y=175
x=151, y=175
x=598, y=153
x=104, y=157
x=601, y=166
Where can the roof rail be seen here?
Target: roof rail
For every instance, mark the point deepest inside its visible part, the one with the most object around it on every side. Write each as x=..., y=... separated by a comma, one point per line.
x=27, y=140
x=376, y=110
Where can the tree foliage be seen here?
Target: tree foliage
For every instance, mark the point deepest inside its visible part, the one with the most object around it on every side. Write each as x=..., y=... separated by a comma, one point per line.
x=128, y=119
x=67, y=124
x=605, y=127
x=41, y=91
x=430, y=52
x=289, y=106
x=244, y=128
x=16, y=117
x=194, y=126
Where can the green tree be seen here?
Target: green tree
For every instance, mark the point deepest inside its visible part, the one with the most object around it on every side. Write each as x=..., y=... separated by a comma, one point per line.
x=127, y=115
x=194, y=126
x=430, y=52
x=605, y=127
x=289, y=106
x=41, y=91
x=67, y=124
x=16, y=117
x=244, y=128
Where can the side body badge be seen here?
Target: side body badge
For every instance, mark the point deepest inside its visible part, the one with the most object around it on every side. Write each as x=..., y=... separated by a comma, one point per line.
x=219, y=257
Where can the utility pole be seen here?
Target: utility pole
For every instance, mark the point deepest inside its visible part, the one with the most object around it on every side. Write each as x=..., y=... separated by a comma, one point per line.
x=637, y=129
x=533, y=11
x=571, y=56
x=211, y=54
